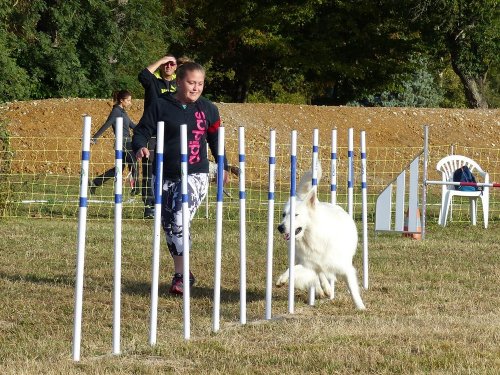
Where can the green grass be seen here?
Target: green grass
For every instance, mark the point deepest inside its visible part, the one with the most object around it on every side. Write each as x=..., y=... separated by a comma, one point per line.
x=432, y=306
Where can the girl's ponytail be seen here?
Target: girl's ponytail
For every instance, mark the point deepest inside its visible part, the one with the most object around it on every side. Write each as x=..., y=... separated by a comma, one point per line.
x=118, y=96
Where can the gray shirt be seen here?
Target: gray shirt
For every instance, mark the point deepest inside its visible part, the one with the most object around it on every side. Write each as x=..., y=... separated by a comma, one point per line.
x=117, y=111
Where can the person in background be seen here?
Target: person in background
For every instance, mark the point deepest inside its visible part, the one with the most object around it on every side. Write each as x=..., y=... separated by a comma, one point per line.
x=122, y=101
x=156, y=79
x=186, y=106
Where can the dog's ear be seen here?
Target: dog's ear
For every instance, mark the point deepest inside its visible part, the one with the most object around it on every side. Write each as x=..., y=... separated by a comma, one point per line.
x=311, y=198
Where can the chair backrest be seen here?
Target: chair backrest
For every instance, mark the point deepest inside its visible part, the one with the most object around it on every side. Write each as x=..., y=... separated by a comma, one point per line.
x=451, y=163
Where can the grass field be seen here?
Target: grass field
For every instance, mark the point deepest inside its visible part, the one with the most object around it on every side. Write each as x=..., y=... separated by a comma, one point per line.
x=432, y=306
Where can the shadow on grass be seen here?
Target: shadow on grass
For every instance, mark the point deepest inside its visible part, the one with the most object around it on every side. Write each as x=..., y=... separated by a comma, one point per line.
x=62, y=280
x=136, y=288
x=198, y=292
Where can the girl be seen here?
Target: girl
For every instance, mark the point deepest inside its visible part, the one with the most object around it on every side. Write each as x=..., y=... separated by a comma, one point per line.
x=122, y=100
x=186, y=106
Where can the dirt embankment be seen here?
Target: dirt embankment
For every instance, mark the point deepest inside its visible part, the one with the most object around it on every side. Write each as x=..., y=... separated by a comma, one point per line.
x=54, y=119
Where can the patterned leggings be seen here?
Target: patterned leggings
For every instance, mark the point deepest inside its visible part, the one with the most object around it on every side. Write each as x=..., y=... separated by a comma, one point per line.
x=171, y=207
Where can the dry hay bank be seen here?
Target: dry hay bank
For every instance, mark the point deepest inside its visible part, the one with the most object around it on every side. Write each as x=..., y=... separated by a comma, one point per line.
x=44, y=128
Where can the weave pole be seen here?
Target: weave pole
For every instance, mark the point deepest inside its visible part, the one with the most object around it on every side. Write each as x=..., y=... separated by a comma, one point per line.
x=155, y=272
x=333, y=168
x=218, y=231
x=117, y=269
x=270, y=223
x=185, y=234
x=82, y=228
x=423, y=214
x=314, y=183
x=350, y=168
x=364, y=209
x=291, y=251
x=243, y=231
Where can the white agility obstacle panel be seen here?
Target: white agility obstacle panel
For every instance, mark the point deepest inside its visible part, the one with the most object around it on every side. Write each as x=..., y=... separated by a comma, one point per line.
x=401, y=216
x=384, y=209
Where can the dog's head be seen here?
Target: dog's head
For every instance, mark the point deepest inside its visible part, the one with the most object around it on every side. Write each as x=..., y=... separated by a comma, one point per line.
x=304, y=212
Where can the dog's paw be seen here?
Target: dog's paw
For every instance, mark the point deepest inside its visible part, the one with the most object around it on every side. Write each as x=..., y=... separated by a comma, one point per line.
x=328, y=286
x=283, y=279
x=320, y=293
x=326, y=294
x=361, y=306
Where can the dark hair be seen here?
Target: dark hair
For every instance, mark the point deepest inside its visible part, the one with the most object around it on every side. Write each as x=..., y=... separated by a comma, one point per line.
x=118, y=96
x=188, y=67
x=183, y=59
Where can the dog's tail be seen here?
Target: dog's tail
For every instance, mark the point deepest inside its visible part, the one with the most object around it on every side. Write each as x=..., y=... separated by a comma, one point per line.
x=305, y=183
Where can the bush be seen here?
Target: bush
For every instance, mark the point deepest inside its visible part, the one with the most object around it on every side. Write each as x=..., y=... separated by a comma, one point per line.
x=415, y=89
x=14, y=80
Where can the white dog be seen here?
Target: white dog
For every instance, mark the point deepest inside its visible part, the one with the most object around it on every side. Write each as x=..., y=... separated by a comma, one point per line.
x=326, y=240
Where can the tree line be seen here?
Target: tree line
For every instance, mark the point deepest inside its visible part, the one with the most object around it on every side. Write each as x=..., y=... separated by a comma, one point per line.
x=433, y=53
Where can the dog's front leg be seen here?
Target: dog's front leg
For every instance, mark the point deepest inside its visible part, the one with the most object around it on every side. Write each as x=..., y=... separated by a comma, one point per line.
x=304, y=278
x=283, y=279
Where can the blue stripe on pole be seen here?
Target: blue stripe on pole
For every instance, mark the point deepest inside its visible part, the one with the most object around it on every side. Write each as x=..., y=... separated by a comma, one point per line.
x=315, y=148
x=118, y=198
x=270, y=196
x=184, y=158
x=158, y=161
x=349, y=184
x=118, y=154
x=350, y=153
x=333, y=187
x=334, y=155
x=363, y=155
x=219, y=193
x=83, y=202
x=85, y=155
x=293, y=172
x=158, y=164
x=242, y=158
x=363, y=185
x=220, y=177
x=314, y=181
x=158, y=188
x=272, y=160
x=185, y=198
x=242, y=195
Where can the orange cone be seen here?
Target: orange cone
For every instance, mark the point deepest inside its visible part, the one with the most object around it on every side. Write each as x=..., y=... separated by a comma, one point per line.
x=415, y=236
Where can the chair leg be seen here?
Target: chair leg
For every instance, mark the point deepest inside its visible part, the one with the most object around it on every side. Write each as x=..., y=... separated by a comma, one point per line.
x=486, y=208
x=444, y=210
x=473, y=211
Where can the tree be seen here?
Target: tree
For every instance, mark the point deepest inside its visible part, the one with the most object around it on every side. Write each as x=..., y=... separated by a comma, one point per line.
x=15, y=83
x=305, y=46
x=73, y=48
x=239, y=40
x=354, y=48
x=465, y=31
x=146, y=30
x=64, y=46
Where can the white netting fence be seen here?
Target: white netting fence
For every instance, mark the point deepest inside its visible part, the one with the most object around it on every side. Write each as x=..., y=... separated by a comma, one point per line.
x=43, y=176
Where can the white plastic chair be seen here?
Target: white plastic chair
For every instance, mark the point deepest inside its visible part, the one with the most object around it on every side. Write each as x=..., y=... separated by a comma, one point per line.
x=447, y=166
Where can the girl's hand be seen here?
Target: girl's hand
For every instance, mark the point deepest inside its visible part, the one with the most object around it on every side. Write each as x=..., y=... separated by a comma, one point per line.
x=142, y=153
